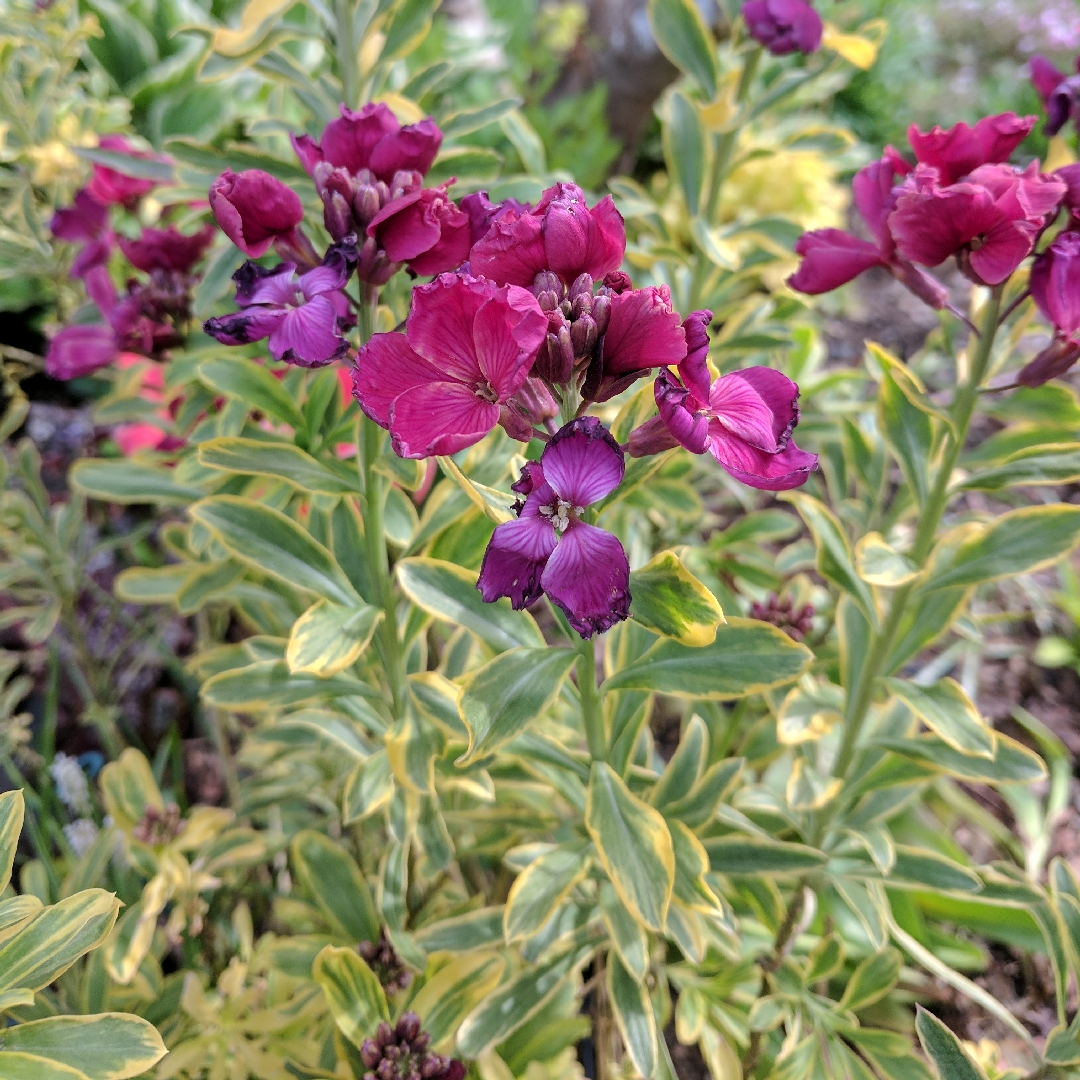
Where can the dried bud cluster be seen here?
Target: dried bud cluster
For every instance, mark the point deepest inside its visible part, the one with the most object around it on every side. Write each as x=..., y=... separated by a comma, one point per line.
x=795, y=622
x=577, y=319
x=160, y=827
x=401, y=1053
x=383, y=959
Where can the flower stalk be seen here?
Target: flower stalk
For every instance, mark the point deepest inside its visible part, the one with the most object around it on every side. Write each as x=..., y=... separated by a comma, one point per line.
x=591, y=710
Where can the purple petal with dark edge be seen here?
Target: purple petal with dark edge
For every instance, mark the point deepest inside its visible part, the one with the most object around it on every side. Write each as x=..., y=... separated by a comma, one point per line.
x=308, y=335
x=582, y=462
x=244, y=327
x=256, y=284
x=515, y=559
x=588, y=576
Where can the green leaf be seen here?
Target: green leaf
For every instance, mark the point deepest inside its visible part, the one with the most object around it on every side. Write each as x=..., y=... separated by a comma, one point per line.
x=278, y=460
x=204, y=580
x=163, y=172
x=687, y=764
x=1013, y=763
x=920, y=866
x=30, y=1067
x=128, y=788
x=464, y=163
x=910, y=436
x=269, y=684
x=630, y=940
x=540, y=889
x=243, y=379
x=275, y=544
x=834, y=558
x=515, y=1002
x=151, y=585
x=526, y=142
x=879, y=564
x=466, y=121
x=369, y=788
x=55, y=938
x=684, y=148
x=1061, y=1048
x=12, y=810
x=633, y=1011
x=633, y=845
x=1053, y=463
x=125, y=482
x=684, y=39
x=669, y=600
x=328, y=638
x=746, y=657
x=906, y=381
x=352, y=990
x=449, y=592
x=502, y=698
x=872, y=980
x=407, y=28
x=944, y=1049
x=108, y=1046
x=1018, y=542
x=949, y=712
x=453, y=992
x=745, y=855
x=340, y=731
x=462, y=933
x=333, y=880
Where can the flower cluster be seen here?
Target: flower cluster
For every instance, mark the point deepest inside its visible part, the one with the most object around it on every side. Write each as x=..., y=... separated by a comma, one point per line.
x=384, y=960
x=528, y=318
x=401, y=1053
x=783, y=26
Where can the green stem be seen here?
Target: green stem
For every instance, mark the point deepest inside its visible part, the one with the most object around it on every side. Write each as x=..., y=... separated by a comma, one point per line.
x=882, y=642
x=724, y=145
x=591, y=712
x=345, y=44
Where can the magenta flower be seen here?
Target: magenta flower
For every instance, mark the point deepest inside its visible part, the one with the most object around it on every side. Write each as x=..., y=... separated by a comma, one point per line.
x=483, y=212
x=1055, y=282
x=990, y=221
x=302, y=315
x=783, y=26
x=424, y=229
x=86, y=221
x=167, y=249
x=371, y=139
x=549, y=548
x=80, y=350
x=449, y=379
x=745, y=419
x=110, y=186
x=561, y=233
x=961, y=149
x=254, y=209
x=643, y=332
x=1060, y=93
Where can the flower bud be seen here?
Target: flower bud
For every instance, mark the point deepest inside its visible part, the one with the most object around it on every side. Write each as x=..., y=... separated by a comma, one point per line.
x=583, y=336
x=581, y=305
x=408, y=1028
x=582, y=286
x=618, y=281
x=370, y=1053
x=651, y=438
x=253, y=208
x=548, y=290
x=366, y=204
x=601, y=312
x=1052, y=362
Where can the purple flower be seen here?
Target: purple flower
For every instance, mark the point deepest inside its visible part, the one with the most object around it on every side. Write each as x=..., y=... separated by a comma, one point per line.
x=1060, y=93
x=745, y=419
x=783, y=26
x=961, y=149
x=1054, y=360
x=167, y=249
x=371, y=139
x=561, y=233
x=301, y=315
x=483, y=212
x=110, y=186
x=1055, y=282
x=80, y=350
x=254, y=209
x=86, y=221
x=403, y=1052
x=549, y=548
x=448, y=380
x=424, y=229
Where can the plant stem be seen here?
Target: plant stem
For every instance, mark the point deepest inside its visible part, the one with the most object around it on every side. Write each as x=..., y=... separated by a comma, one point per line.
x=591, y=712
x=882, y=642
x=345, y=44
x=724, y=145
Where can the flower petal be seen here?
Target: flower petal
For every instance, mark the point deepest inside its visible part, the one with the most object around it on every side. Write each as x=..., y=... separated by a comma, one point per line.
x=506, y=341
x=515, y=559
x=79, y=350
x=756, y=468
x=759, y=404
x=583, y=463
x=439, y=418
x=385, y=368
x=308, y=335
x=681, y=413
x=512, y=252
x=440, y=323
x=244, y=327
x=643, y=331
x=831, y=258
x=588, y=576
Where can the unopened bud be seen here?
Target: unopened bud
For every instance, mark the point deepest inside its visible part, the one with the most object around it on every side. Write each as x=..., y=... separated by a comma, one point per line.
x=546, y=283
x=581, y=305
x=651, y=438
x=338, y=215
x=366, y=205
x=1054, y=360
x=583, y=336
x=582, y=286
x=618, y=281
x=601, y=312
x=370, y=1053
x=408, y=1028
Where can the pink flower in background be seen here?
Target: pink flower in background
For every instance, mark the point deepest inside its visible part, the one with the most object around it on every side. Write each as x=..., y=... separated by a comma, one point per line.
x=371, y=139
x=302, y=315
x=783, y=26
x=141, y=434
x=79, y=350
x=961, y=149
x=745, y=419
x=424, y=229
x=1060, y=93
x=549, y=548
x=167, y=249
x=561, y=233
x=254, y=209
x=86, y=221
x=990, y=221
x=110, y=185
x=446, y=382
